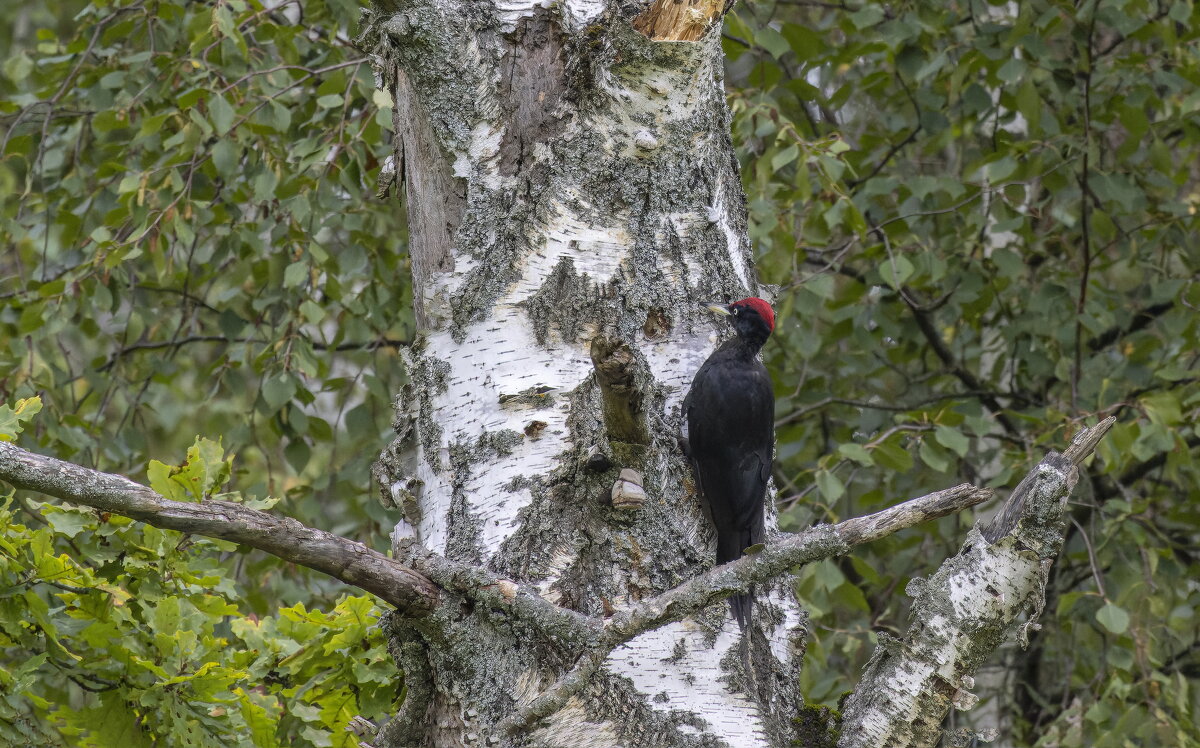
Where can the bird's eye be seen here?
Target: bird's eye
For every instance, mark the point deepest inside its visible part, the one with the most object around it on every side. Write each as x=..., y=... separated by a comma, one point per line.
x=734, y=310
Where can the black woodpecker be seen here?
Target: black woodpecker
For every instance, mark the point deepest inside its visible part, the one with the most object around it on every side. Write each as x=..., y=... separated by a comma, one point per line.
x=730, y=413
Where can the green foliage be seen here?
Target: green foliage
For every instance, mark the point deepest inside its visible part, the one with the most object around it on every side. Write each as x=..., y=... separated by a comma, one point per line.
x=138, y=636
x=192, y=244
x=13, y=418
x=984, y=218
x=190, y=235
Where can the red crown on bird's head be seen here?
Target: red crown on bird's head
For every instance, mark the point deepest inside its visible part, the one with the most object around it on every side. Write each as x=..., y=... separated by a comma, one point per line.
x=763, y=308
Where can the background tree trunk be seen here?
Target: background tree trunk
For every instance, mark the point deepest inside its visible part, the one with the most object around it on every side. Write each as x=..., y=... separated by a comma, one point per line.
x=572, y=196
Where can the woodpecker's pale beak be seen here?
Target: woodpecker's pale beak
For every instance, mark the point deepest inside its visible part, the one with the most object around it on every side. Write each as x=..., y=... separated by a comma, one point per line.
x=720, y=309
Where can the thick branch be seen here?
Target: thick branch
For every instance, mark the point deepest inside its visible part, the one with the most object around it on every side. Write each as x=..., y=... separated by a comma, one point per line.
x=774, y=559
x=344, y=559
x=822, y=541
x=569, y=629
x=966, y=610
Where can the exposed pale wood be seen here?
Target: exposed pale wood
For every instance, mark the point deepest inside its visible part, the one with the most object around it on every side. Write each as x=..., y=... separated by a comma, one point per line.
x=434, y=197
x=679, y=20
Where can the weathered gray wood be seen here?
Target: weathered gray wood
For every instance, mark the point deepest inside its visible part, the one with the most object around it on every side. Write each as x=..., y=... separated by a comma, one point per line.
x=993, y=588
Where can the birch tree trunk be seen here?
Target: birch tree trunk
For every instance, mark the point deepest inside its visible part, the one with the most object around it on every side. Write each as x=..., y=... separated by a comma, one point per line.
x=572, y=197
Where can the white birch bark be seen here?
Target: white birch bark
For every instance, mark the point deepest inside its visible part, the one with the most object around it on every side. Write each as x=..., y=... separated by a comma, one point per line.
x=572, y=197
x=975, y=601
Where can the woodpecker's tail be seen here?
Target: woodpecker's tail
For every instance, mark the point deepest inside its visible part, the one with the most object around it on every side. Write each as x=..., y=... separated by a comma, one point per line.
x=741, y=604
x=729, y=548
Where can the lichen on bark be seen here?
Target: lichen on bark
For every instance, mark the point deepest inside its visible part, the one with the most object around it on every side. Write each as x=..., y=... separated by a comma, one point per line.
x=594, y=197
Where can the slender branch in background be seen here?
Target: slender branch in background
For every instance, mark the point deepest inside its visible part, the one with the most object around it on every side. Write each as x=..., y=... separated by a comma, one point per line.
x=1111, y=488
x=317, y=346
x=1143, y=319
x=799, y=413
x=897, y=147
x=964, y=375
x=1085, y=227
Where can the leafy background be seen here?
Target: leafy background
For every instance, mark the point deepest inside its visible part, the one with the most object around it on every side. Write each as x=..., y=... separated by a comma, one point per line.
x=982, y=219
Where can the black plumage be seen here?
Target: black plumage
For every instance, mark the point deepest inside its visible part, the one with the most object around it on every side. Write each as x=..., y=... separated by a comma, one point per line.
x=730, y=413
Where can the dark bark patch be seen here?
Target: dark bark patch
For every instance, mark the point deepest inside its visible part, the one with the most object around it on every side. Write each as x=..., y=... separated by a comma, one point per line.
x=532, y=86
x=565, y=301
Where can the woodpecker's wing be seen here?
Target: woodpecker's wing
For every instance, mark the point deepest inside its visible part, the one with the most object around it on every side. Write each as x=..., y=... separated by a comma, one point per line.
x=730, y=412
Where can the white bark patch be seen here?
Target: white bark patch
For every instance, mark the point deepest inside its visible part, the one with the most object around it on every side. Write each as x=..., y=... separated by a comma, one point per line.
x=510, y=12
x=733, y=242
x=986, y=591
x=501, y=356
x=674, y=362
x=581, y=13
x=686, y=226
x=498, y=357
x=482, y=159
x=675, y=661
x=596, y=251
x=903, y=687
x=780, y=638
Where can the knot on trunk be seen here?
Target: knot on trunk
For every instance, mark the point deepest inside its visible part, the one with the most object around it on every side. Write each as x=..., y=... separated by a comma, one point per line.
x=619, y=374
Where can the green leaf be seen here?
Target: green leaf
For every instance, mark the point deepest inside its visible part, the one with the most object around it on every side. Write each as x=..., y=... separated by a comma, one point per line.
x=856, y=452
x=785, y=157
x=1113, y=618
x=160, y=476
x=262, y=725
x=829, y=575
x=830, y=486
x=867, y=17
x=68, y=522
x=18, y=67
x=1163, y=408
x=312, y=311
x=113, y=723
x=278, y=390
x=206, y=469
x=933, y=456
x=896, y=270
x=892, y=456
x=220, y=113
x=953, y=439
x=12, y=419
x=295, y=274
x=225, y=157
x=772, y=41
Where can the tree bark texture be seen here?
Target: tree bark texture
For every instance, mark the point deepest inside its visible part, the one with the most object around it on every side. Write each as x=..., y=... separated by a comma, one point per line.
x=572, y=197
x=994, y=587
